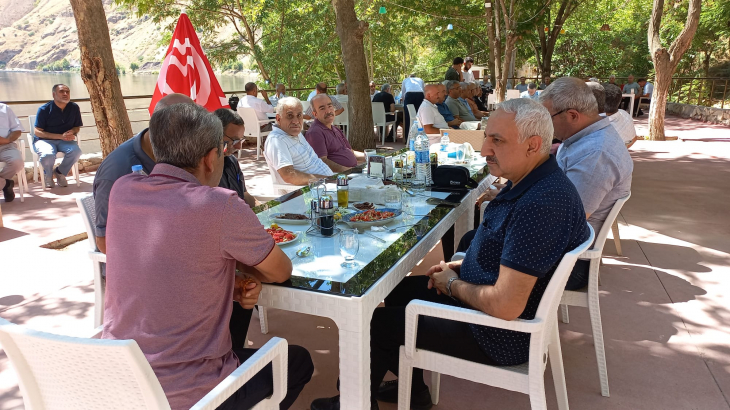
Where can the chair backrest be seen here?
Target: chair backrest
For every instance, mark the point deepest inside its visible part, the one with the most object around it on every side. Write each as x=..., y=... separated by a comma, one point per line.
x=305, y=105
x=22, y=152
x=250, y=121
x=378, y=112
x=87, y=206
x=31, y=128
x=473, y=137
x=412, y=113
x=490, y=99
x=512, y=94
x=275, y=177
x=62, y=372
x=606, y=228
x=343, y=119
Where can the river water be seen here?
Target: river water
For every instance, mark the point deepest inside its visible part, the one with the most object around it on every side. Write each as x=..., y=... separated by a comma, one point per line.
x=32, y=85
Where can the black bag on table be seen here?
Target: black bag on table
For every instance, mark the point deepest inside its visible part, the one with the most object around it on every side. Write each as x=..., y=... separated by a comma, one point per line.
x=453, y=177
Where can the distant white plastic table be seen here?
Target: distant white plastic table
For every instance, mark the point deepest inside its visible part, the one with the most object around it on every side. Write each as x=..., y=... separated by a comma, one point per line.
x=340, y=300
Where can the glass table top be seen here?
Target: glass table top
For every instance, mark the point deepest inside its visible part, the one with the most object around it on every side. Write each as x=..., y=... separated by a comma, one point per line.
x=321, y=270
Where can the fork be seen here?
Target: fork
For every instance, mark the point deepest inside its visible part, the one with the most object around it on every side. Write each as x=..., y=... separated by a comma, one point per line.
x=391, y=230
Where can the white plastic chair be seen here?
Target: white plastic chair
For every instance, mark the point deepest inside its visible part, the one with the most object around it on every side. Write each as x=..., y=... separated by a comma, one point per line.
x=380, y=120
x=528, y=378
x=305, y=105
x=344, y=120
x=36, y=159
x=588, y=296
x=616, y=238
x=252, y=124
x=512, y=94
x=411, y=113
x=62, y=372
x=87, y=206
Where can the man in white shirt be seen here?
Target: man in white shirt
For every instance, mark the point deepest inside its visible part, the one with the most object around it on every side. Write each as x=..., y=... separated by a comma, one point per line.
x=429, y=116
x=620, y=119
x=321, y=88
x=10, y=130
x=648, y=89
x=467, y=75
x=287, y=152
x=411, y=92
x=373, y=90
x=251, y=101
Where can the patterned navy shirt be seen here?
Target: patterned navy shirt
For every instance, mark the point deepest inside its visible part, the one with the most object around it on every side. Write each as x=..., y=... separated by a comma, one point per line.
x=527, y=228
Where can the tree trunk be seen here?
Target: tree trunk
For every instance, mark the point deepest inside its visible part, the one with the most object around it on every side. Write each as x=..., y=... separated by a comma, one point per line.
x=509, y=46
x=493, y=52
x=351, y=32
x=100, y=74
x=666, y=61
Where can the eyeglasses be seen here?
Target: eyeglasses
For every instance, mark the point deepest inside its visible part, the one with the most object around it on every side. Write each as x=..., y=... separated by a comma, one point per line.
x=230, y=144
x=560, y=112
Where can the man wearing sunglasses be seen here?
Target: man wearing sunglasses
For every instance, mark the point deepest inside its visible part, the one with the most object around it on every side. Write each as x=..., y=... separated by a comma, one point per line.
x=232, y=177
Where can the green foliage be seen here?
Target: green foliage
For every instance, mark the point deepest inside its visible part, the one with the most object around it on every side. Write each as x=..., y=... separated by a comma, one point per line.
x=120, y=69
x=2, y=65
x=31, y=34
x=63, y=65
x=133, y=67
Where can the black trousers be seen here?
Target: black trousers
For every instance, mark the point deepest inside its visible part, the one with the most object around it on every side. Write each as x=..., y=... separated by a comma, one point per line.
x=578, y=277
x=261, y=386
x=387, y=333
x=240, y=319
x=411, y=98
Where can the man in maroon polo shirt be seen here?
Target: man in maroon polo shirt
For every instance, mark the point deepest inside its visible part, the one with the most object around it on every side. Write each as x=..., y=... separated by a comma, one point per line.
x=174, y=241
x=328, y=140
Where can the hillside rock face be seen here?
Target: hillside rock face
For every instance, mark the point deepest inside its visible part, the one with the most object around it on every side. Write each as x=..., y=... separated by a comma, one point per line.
x=34, y=33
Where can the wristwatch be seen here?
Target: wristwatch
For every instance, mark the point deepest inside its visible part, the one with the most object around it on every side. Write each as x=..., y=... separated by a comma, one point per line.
x=448, y=285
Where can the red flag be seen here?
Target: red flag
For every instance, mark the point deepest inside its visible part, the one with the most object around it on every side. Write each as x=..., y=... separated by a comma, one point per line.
x=186, y=70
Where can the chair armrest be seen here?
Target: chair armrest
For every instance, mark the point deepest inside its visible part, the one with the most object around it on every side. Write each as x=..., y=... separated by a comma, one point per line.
x=591, y=254
x=422, y=308
x=97, y=256
x=276, y=352
x=458, y=256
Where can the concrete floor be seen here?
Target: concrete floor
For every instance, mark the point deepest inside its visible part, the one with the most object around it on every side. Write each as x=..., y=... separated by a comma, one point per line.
x=666, y=320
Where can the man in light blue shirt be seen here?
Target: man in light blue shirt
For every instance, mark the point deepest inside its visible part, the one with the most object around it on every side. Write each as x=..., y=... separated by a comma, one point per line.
x=531, y=92
x=280, y=93
x=411, y=92
x=593, y=155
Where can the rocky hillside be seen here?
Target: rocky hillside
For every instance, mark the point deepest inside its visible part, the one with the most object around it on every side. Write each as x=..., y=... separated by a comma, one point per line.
x=34, y=33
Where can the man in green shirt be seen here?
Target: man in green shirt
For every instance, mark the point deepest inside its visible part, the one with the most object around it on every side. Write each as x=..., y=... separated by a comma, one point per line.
x=454, y=72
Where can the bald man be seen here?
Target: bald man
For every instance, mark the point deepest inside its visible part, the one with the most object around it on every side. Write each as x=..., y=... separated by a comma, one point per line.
x=135, y=151
x=429, y=116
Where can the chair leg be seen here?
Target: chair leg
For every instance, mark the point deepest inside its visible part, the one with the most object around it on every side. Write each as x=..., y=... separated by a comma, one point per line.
x=405, y=373
x=594, y=310
x=264, y=320
x=75, y=171
x=556, y=364
x=435, y=387
x=99, y=292
x=616, y=237
x=382, y=134
x=564, y=314
x=21, y=188
x=258, y=147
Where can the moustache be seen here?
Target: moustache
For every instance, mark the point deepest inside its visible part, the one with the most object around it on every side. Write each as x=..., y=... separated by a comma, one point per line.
x=492, y=158
x=329, y=114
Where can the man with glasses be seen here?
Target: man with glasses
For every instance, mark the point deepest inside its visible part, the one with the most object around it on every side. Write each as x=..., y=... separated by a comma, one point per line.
x=232, y=177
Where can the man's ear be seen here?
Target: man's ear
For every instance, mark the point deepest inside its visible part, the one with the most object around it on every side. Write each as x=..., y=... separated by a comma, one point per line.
x=210, y=159
x=534, y=144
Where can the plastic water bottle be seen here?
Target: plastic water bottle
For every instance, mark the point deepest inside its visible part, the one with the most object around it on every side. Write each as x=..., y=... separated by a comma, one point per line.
x=423, y=162
x=138, y=170
x=445, y=141
x=412, y=135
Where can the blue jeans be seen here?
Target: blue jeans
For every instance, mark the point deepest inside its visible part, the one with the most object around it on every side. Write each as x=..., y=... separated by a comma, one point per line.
x=47, y=150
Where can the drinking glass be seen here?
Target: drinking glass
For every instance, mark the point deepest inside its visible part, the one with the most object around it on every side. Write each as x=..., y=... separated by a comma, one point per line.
x=368, y=153
x=460, y=153
x=421, y=227
x=349, y=246
x=393, y=199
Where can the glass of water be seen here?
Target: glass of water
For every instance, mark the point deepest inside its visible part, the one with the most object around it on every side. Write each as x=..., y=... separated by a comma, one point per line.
x=393, y=199
x=421, y=228
x=460, y=154
x=349, y=246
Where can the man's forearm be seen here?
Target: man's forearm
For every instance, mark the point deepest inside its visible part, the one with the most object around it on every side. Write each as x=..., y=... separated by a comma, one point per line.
x=47, y=135
x=295, y=177
x=477, y=297
x=10, y=138
x=430, y=129
x=335, y=167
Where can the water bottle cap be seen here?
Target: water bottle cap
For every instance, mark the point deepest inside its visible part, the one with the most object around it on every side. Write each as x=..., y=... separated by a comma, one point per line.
x=136, y=168
x=446, y=134
x=420, y=129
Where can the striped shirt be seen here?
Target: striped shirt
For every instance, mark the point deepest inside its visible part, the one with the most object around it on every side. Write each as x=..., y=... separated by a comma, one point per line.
x=282, y=150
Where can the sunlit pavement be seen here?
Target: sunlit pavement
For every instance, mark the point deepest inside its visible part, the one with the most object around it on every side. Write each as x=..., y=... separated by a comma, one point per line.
x=666, y=320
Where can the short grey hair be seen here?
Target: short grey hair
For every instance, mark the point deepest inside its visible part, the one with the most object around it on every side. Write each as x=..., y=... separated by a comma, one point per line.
x=568, y=93
x=450, y=84
x=600, y=95
x=385, y=87
x=287, y=102
x=340, y=87
x=531, y=118
x=182, y=134
x=464, y=85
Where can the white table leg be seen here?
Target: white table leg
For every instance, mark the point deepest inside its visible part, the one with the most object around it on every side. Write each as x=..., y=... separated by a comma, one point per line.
x=355, y=369
x=631, y=108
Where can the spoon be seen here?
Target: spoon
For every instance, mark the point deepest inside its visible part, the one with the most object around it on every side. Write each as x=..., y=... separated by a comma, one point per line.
x=304, y=251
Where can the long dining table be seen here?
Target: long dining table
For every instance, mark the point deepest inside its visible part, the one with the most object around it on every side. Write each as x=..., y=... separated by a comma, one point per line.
x=321, y=286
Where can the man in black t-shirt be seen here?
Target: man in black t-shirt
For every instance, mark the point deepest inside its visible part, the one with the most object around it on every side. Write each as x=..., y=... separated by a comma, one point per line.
x=232, y=177
x=385, y=97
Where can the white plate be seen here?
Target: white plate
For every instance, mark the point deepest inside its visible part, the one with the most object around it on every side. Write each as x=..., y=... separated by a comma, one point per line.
x=281, y=221
x=297, y=235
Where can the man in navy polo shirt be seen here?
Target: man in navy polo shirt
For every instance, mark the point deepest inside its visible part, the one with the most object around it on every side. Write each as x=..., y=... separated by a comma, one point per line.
x=57, y=125
x=528, y=228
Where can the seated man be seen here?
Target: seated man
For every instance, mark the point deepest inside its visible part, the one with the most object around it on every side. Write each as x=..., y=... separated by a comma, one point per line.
x=280, y=93
x=459, y=109
x=505, y=271
x=233, y=130
x=386, y=97
x=620, y=119
x=327, y=140
x=252, y=101
x=57, y=125
x=373, y=90
x=545, y=82
x=630, y=86
x=467, y=95
x=522, y=87
x=429, y=116
x=531, y=92
x=451, y=120
x=647, y=89
x=480, y=99
x=179, y=315
x=10, y=130
x=322, y=89
x=287, y=152
x=599, y=93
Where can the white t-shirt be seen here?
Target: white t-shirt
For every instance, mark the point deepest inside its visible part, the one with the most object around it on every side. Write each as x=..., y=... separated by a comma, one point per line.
x=468, y=77
x=428, y=113
x=9, y=122
x=282, y=150
x=410, y=84
x=624, y=125
x=258, y=105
